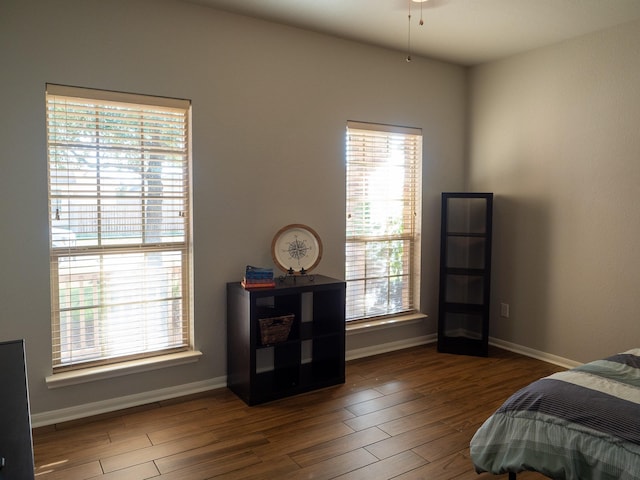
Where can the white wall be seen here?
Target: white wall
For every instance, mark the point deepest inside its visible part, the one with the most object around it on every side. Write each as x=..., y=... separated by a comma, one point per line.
x=555, y=135
x=270, y=105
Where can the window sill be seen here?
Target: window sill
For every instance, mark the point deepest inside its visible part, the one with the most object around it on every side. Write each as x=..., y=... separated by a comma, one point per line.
x=91, y=374
x=367, y=326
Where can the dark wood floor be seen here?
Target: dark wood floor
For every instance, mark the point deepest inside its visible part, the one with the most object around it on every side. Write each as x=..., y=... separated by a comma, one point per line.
x=402, y=415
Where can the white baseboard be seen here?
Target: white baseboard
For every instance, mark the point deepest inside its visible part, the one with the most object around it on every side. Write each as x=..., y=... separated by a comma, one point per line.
x=120, y=403
x=537, y=354
x=423, y=340
x=105, y=406
x=390, y=347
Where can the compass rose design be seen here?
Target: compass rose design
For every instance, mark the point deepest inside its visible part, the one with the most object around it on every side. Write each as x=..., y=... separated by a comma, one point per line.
x=296, y=248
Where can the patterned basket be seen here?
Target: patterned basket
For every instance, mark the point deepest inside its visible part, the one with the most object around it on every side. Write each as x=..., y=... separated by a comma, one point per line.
x=275, y=329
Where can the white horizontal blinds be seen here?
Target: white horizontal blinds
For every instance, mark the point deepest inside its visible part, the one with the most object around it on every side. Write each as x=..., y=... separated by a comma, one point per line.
x=119, y=215
x=383, y=219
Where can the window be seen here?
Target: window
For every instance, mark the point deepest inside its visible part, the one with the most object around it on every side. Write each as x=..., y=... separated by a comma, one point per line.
x=383, y=220
x=119, y=202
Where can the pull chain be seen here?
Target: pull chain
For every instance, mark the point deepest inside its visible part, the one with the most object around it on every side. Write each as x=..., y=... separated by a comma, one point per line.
x=409, y=35
x=421, y=23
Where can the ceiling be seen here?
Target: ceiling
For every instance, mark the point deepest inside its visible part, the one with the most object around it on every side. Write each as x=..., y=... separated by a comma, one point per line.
x=467, y=32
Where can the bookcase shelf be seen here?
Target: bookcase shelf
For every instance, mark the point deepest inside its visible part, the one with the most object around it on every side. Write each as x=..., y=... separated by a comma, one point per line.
x=311, y=357
x=465, y=273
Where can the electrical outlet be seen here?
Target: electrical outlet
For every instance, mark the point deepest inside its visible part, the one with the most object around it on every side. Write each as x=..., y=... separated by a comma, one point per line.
x=504, y=310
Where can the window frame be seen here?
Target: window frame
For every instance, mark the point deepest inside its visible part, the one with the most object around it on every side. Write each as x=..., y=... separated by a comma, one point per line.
x=365, y=150
x=65, y=249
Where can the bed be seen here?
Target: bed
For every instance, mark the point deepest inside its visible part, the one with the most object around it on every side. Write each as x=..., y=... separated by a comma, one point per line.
x=582, y=423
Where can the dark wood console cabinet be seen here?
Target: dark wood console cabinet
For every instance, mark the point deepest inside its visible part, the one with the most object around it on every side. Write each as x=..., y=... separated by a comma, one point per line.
x=313, y=354
x=16, y=445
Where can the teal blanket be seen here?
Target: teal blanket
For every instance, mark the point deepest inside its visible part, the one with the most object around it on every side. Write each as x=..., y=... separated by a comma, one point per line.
x=582, y=424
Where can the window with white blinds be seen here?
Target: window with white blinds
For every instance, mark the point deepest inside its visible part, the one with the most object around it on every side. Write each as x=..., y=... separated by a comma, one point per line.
x=119, y=203
x=382, y=253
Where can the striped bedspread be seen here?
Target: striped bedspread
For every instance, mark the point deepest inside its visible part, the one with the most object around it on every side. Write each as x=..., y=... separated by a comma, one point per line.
x=580, y=424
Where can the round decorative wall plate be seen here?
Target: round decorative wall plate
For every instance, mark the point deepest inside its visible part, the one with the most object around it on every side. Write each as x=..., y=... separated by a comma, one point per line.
x=296, y=248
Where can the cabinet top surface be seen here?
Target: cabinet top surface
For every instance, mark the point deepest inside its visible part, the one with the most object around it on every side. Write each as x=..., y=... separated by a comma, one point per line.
x=468, y=194
x=293, y=282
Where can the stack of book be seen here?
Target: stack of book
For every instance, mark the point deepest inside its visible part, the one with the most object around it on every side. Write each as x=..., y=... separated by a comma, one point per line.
x=256, y=277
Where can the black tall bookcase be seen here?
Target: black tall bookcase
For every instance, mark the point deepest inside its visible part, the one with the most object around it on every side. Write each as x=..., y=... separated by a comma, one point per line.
x=465, y=273
x=311, y=356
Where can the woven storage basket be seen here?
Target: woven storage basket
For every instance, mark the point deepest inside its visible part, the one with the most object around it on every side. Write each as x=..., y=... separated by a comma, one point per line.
x=275, y=329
